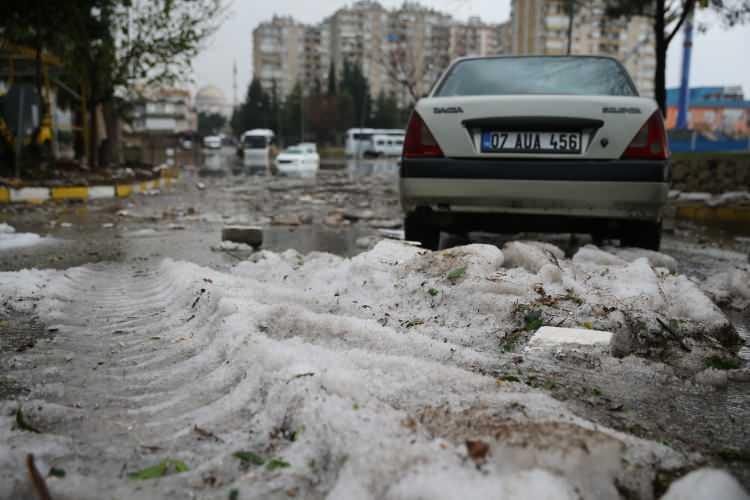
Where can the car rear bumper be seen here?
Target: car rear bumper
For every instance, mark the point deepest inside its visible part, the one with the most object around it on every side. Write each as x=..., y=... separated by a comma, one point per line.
x=588, y=189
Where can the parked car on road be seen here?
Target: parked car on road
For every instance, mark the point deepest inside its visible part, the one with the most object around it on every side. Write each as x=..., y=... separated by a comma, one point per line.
x=301, y=159
x=212, y=142
x=536, y=143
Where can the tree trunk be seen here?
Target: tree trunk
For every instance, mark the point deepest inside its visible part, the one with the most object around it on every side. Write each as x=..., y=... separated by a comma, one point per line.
x=94, y=135
x=660, y=90
x=110, y=151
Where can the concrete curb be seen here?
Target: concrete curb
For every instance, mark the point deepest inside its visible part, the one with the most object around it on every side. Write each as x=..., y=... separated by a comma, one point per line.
x=39, y=195
x=701, y=212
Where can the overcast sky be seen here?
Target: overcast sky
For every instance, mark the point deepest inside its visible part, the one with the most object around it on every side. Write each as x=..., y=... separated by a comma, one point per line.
x=720, y=56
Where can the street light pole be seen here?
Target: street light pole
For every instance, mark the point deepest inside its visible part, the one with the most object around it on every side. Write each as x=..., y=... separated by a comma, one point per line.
x=687, y=47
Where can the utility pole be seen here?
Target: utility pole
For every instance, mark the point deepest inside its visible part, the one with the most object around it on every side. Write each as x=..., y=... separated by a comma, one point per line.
x=301, y=112
x=687, y=48
x=234, y=86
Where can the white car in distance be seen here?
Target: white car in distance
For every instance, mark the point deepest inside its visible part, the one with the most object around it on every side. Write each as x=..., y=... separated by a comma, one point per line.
x=212, y=142
x=300, y=159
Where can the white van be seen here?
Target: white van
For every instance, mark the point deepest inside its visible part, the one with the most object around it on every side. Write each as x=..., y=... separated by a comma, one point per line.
x=256, y=147
x=385, y=145
x=359, y=141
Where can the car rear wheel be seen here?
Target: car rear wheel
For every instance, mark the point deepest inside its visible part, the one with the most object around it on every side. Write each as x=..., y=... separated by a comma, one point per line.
x=416, y=228
x=642, y=235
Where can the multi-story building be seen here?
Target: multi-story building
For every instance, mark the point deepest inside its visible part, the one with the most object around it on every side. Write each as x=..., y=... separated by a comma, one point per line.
x=279, y=53
x=163, y=110
x=357, y=35
x=401, y=51
x=541, y=27
x=474, y=37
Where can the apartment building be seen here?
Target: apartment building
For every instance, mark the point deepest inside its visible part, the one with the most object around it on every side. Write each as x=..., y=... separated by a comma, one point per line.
x=401, y=51
x=357, y=34
x=541, y=27
x=474, y=37
x=280, y=53
x=163, y=110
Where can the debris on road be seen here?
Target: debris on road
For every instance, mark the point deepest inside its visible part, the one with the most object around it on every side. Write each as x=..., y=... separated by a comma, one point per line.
x=249, y=235
x=435, y=362
x=548, y=336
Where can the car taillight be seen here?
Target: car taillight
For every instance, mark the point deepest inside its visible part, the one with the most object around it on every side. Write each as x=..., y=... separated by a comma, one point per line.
x=419, y=141
x=650, y=143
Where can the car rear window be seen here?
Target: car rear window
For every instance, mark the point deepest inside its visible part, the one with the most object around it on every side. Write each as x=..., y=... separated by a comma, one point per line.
x=537, y=75
x=255, y=142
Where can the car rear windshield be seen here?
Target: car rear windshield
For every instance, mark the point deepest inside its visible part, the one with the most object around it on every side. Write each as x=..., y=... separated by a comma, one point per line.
x=537, y=75
x=255, y=142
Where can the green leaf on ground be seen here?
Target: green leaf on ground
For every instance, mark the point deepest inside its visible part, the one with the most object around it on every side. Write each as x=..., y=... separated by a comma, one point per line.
x=22, y=423
x=234, y=494
x=249, y=458
x=55, y=472
x=276, y=463
x=412, y=323
x=164, y=468
x=721, y=363
x=433, y=291
x=508, y=378
x=457, y=273
x=533, y=320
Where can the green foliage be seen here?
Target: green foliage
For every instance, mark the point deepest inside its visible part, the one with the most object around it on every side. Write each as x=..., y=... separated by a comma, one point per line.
x=111, y=48
x=533, y=320
x=164, y=468
x=457, y=273
x=249, y=458
x=721, y=363
x=386, y=113
x=56, y=472
x=255, y=112
x=276, y=463
x=210, y=123
x=332, y=80
x=433, y=291
x=354, y=82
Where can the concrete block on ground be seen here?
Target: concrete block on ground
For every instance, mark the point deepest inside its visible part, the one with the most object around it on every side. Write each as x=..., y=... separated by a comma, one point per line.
x=249, y=235
x=550, y=336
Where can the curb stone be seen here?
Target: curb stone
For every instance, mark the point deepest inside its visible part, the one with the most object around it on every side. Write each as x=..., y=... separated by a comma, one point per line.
x=38, y=195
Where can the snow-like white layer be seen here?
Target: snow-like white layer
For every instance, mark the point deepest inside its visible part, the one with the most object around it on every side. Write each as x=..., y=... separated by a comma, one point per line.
x=704, y=484
x=731, y=286
x=10, y=239
x=372, y=363
x=550, y=336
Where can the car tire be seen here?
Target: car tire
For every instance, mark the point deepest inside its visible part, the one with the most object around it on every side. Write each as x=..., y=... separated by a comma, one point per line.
x=417, y=229
x=645, y=235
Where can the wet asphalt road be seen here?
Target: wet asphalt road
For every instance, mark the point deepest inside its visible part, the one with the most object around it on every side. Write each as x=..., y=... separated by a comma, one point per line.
x=184, y=222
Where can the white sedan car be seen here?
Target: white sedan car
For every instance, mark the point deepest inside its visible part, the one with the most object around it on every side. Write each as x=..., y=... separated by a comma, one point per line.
x=537, y=143
x=301, y=159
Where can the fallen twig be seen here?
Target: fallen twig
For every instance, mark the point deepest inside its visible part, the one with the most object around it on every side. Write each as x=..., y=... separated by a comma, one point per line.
x=37, y=481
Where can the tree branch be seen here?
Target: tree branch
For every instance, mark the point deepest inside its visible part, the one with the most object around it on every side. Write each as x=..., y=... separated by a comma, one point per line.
x=687, y=7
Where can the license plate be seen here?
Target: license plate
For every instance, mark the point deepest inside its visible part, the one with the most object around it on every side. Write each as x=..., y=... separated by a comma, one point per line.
x=532, y=142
